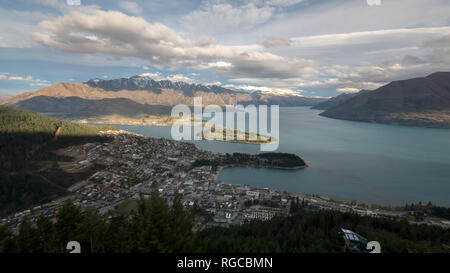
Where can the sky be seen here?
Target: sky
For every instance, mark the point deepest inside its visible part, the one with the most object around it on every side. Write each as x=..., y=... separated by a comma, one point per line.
x=318, y=48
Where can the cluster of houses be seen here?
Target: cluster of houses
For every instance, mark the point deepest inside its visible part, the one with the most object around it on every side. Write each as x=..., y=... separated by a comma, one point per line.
x=133, y=165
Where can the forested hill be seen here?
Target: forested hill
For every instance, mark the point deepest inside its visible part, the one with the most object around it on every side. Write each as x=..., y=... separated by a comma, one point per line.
x=29, y=169
x=13, y=121
x=156, y=227
x=21, y=132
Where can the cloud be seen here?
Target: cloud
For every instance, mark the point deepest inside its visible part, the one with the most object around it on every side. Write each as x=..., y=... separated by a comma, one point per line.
x=283, y=3
x=120, y=35
x=157, y=76
x=377, y=57
x=348, y=90
x=29, y=79
x=328, y=17
x=275, y=41
x=219, y=16
x=334, y=45
x=366, y=41
x=218, y=65
x=180, y=78
x=440, y=49
x=264, y=89
x=131, y=7
x=14, y=31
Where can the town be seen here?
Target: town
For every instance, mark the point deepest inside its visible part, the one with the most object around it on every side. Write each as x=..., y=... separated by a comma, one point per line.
x=134, y=165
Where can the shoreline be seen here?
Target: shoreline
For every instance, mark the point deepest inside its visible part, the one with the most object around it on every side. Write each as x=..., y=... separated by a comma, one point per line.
x=125, y=139
x=332, y=199
x=221, y=167
x=188, y=123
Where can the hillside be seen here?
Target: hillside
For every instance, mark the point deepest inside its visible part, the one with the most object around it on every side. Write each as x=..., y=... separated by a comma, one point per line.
x=78, y=108
x=30, y=171
x=416, y=102
x=130, y=97
x=334, y=101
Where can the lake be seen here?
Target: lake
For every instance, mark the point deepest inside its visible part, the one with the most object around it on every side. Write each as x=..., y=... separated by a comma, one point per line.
x=371, y=163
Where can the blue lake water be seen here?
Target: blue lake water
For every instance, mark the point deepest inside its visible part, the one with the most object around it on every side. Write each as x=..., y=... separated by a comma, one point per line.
x=372, y=163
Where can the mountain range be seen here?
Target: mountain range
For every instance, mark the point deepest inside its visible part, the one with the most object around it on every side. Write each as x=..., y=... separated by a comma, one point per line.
x=423, y=102
x=137, y=95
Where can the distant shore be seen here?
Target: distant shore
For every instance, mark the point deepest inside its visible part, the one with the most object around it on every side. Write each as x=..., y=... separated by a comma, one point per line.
x=218, y=133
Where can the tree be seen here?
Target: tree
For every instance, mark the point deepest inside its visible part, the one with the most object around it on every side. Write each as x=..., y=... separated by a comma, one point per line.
x=181, y=226
x=27, y=241
x=46, y=233
x=67, y=227
x=6, y=240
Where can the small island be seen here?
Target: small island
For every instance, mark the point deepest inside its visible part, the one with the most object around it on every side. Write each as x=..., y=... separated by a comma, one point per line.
x=222, y=133
x=262, y=160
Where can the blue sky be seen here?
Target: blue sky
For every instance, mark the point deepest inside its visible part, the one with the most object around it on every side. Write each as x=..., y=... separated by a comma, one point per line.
x=306, y=47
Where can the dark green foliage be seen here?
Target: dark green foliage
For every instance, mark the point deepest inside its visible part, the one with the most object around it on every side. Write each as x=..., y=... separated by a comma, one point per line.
x=283, y=159
x=24, y=134
x=319, y=231
x=267, y=203
x=154, y=227
x=20, y=121
x=274, y=160
x=19, y=191
x=29, y=173
x=419, y=210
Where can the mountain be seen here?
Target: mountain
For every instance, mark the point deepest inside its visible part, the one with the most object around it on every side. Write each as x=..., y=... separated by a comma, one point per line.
x=78, y=108
x=421, y=102
x=137, y=95
x=337, y=100
x=147, y=83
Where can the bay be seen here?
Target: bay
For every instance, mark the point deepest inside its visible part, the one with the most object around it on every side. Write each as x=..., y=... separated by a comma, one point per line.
x=365, y=162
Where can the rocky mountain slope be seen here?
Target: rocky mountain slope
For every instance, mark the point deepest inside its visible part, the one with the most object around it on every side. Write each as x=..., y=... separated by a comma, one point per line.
x=417, y=102
x=136, y=95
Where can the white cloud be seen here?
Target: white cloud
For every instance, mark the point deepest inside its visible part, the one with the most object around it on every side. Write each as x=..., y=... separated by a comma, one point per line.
x=158, y=76
x=264, y=89
x=327, y=17
x=348, y=90
x=440, y=50
x=28, y=79
x=131, y=7
x=337, y=45
x=366, y=41
x=283, y=3
x=15, y=26
x=120, y=35
x=275, y=41
x=180, y=78
x=219, y=16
